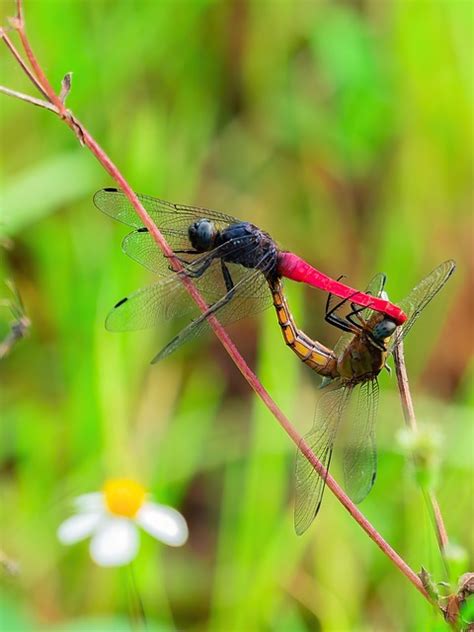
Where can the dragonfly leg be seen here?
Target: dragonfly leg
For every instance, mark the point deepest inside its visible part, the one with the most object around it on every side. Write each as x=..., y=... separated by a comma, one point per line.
x=229, y=284
x=193, y=273
x=183, y=262
x=356, y=310
x=199, y=271
x=332, y=318
x=181, y=259
x=335, y=321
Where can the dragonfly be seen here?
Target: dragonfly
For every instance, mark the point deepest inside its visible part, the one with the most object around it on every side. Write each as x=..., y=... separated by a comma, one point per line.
x=230, y=262
x=350, y=387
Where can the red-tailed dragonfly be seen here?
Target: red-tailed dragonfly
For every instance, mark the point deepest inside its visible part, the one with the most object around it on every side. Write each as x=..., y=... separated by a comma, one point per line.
x=230, y=262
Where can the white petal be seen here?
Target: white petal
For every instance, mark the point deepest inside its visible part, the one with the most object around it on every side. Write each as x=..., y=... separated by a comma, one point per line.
x=115, y=542
x=164, y=523
x=90, y=502
x=78, y=527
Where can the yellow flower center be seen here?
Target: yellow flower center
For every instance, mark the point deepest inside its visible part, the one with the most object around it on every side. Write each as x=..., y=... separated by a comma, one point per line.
x=123, y=496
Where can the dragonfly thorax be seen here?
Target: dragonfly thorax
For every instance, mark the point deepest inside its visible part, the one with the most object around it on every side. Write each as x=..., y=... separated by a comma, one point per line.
x=202, y=235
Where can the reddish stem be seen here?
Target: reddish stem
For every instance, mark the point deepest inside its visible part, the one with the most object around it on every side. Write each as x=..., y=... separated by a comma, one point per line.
x=29, y=99
x=45, y=87
x=251, y=378
x=441, y=532
x=22, y=63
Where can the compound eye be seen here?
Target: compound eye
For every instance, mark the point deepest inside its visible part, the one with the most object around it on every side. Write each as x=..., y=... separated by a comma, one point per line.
x=384, y=329
x=202, y=234
x=206, y=232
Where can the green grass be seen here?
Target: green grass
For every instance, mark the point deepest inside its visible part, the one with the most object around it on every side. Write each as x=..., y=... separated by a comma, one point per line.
x=344, y=132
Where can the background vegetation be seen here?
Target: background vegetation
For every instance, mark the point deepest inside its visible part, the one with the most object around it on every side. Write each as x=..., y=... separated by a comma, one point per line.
x=344, y=129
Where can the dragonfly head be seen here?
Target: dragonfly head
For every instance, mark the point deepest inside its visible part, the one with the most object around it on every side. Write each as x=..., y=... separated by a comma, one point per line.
x=202, y=234
x=384, y=329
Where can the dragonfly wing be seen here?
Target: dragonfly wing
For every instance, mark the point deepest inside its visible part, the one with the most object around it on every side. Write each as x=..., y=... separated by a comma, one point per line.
x=167, y=298
x=142, y=248
x=360, y=455
x=309, y=484
x=114, y=203
x=248, y=296
x=420, y=296
x=150, y=305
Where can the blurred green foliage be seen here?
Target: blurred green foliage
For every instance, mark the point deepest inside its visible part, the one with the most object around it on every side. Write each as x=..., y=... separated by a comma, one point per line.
x=342, y=128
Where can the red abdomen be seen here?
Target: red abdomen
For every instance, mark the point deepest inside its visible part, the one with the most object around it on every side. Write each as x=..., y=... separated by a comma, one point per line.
x=293, y=267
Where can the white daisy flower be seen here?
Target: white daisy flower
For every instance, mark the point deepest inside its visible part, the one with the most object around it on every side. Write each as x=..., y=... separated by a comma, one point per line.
x=111, y=519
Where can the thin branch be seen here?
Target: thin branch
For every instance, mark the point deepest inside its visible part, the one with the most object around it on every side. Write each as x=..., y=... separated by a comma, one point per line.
x=410, y=420
x=442, y=534
x=46, y=87
x=239, y=361
x=19, y=12
x=22, y=63
x=404, y=387
x=33, y=100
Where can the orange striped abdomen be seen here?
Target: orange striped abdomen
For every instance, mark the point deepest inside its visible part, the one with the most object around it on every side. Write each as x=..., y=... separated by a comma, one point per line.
x=315, y=355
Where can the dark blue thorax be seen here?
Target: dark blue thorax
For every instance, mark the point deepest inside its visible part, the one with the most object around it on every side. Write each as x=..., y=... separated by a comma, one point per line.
x=247, y=245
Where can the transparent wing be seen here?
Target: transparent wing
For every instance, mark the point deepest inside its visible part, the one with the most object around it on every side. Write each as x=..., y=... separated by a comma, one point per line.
x=173, y=221
x=419, y=298
x=149, y=306
x=360, y=455
x=168, y=298
x=309, y=484
x=114, y=203
x=247, y=297
x=375, y=288
x=142, y=248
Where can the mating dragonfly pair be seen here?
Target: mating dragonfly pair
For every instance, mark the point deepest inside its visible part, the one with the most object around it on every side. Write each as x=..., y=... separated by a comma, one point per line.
x=233, y=264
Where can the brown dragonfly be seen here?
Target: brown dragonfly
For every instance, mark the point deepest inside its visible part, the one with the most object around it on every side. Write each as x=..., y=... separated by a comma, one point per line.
x=350, y=386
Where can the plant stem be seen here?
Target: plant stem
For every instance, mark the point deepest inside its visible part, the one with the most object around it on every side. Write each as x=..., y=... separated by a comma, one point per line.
x=29, y=99
x=23, y=65
x=86, y=138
